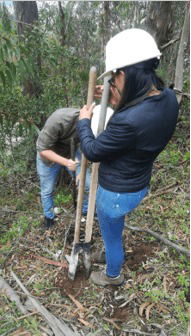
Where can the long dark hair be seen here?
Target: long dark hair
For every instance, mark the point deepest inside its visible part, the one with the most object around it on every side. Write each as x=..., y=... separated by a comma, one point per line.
x=139, y=79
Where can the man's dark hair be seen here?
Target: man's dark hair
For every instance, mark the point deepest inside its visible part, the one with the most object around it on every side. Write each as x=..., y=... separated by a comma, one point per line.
x=139, y=79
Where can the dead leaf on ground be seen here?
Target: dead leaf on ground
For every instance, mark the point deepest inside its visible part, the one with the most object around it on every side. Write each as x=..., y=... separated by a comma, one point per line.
x=86, y=323
x=162, y=308
x=148, y=309
x=143, y=307
x=21, y=332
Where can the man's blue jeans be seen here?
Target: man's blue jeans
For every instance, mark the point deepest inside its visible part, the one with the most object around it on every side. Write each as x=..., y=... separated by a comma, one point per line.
x=48, y=177
x=111, y=210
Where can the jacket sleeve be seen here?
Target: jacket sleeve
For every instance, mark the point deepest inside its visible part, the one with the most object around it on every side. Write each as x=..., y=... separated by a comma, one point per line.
x=117, y=137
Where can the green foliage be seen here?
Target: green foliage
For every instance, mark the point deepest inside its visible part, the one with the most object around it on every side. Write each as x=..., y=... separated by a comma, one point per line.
x=11, y=321
x=62, y=198
x=156, y=295
x=17, y=230
x=59, y=71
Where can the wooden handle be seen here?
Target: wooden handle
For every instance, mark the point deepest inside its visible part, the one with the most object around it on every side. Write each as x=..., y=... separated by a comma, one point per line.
x=90, y=97
x=91, y=85
x=95, y=166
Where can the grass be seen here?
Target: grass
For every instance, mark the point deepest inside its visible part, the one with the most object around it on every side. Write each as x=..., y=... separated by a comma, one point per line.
x=12, y=320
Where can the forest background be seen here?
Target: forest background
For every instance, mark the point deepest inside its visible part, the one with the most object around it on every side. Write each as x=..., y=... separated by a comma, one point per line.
x=46, y=51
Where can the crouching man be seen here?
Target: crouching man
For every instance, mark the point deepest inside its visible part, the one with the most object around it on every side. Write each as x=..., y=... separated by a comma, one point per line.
x=53, y=153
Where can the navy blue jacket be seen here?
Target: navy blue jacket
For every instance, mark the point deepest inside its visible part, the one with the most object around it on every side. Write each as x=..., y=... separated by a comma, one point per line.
x=133, y=139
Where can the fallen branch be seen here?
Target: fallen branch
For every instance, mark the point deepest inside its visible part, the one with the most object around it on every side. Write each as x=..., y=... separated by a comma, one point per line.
x=137, y=332
x=51, y=262
x=5, y=209
x=76, y=302
x=58, y=327
x=12, y=295
x=164, y=240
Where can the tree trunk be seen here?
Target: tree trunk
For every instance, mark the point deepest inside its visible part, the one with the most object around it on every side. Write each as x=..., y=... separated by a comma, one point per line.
x=26, y=13
x=160, y=21
x=105, y=24
x=62, y=23
x=180, y=58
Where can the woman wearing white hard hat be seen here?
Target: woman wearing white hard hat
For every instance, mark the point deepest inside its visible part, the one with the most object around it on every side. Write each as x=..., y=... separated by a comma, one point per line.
x=143, y=123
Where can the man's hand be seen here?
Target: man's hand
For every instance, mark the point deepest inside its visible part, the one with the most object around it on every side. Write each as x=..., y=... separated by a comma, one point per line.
x=86, y=112
x=71, y=165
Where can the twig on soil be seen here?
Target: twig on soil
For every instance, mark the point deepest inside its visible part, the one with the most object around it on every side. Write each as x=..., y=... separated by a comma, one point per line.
x=162, y=333
x=161, y=192
x=164, y=240
x=76, y=302
x=27, y=315
x=136, y=331
x=51, y=262
x=132, y=296
x=112, y=322
x=87, y=324
x=59, y=328
x=5, y=209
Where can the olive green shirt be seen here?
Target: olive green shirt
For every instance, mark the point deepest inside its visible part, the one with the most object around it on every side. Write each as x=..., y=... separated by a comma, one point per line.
x=57, y=132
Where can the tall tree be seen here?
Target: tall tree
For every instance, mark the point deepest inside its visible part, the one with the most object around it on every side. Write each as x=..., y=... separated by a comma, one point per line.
x=62, y=24
x=160, y=21
x=180, y=57
x=106, y=22
x=26, y=13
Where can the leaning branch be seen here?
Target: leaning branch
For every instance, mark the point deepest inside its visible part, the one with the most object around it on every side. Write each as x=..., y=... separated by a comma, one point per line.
x=161, y=238
x=164, y=46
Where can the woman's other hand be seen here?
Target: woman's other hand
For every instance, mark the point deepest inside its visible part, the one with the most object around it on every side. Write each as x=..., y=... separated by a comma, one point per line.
x=98, y=91
x=114, y=97
x=86, y=112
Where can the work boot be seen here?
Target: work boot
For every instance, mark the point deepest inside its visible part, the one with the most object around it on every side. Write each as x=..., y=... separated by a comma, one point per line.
x=48, y=222
x=101, y=279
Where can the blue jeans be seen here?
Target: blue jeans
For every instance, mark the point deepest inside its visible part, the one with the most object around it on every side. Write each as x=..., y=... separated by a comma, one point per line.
x=48, y=177
x=111, y=210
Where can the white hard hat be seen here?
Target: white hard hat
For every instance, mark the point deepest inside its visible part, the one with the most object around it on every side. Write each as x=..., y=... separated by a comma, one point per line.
x=129, y=47
x=95, y=118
